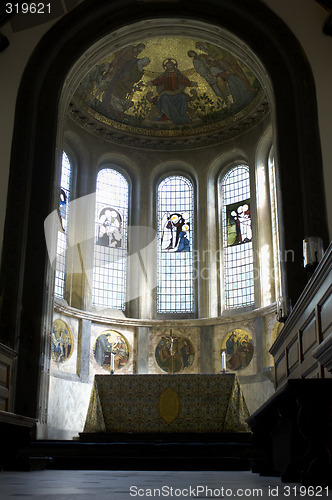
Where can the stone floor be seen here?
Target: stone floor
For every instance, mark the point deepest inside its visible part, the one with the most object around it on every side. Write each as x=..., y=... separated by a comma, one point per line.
x=123, y=485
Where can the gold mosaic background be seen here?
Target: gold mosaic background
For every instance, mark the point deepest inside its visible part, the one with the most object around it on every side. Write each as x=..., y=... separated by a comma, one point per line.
x=117, y=91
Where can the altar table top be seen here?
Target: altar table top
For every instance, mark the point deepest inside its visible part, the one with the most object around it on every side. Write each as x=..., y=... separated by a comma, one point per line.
x=167, y=403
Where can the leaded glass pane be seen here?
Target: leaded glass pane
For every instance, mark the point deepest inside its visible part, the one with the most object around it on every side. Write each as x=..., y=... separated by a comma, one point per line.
x=237, y=238
x=175, y=256
x=110, y=255
x=65, y=185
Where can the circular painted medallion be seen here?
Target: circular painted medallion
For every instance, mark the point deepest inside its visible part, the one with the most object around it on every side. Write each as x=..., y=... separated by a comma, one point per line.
x=174, y=354
x=111, y=350
x=239, y=347
x=62, y=341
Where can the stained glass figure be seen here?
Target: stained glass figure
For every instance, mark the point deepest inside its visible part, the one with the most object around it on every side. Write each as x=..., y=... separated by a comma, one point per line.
x=109, y=228
x=63, y=209
x=110, y=255
x=175, y=293
x=238, y=217
x=64, y=198
x=175, y=232
x=237, y=238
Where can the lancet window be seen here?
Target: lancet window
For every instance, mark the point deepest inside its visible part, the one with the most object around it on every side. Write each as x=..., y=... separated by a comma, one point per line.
x=175, y=245
x=237, y=238
x=63, y=212
x=110, y=249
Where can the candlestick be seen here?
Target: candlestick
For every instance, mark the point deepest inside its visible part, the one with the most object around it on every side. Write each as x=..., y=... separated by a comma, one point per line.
x=112, y=362
x=223, y=361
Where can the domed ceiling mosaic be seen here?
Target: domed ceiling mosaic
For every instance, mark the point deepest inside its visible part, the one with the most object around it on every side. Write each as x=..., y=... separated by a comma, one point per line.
x=170, y=88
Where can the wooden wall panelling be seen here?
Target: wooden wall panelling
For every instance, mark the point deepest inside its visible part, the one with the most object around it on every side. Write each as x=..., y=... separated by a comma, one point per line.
x=308, y=335
x=281, y=369
x=325, y=313
x=293, y=355
x=292, y=430
x=314, y=371
x=308, y=326
x=309, y=340
x=7, y=361
x=5, y=381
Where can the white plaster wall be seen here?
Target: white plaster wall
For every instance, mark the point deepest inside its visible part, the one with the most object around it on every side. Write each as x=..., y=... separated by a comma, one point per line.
x=306, y=19
x=13, y=61
x=67, y=408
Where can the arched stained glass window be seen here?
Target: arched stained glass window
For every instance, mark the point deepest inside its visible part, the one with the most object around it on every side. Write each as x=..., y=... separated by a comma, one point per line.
x=237, y=238
x=175, y=246
x=65, y=185
x=110, y=251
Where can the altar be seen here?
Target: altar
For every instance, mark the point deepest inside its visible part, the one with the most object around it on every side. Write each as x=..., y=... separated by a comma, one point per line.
x=205, y=403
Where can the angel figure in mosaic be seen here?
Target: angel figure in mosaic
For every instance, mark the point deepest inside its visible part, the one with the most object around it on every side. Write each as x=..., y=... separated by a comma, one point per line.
x=204, y=67
x=123, y=61
x=231, y=79
x=225, y=61
x=91, y=85
x=117, y=96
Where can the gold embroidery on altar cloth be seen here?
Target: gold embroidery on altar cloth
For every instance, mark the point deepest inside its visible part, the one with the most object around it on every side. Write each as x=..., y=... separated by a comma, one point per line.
x=169, y=405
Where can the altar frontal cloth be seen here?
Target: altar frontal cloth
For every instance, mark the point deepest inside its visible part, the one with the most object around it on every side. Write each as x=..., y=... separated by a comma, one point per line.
x=167, y=403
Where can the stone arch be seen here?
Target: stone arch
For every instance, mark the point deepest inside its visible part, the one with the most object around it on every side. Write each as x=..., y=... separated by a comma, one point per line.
x=26, y=280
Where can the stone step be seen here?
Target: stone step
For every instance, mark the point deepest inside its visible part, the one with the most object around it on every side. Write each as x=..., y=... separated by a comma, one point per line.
x=143, y=452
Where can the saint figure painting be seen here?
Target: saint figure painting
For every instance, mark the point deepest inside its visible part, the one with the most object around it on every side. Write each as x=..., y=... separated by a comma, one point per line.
x=238, y=217
x=175, y=232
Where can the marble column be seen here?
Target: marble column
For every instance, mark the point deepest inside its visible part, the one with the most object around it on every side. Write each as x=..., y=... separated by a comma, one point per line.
x=143, y=337
x=206, y=342
x=83, y=358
